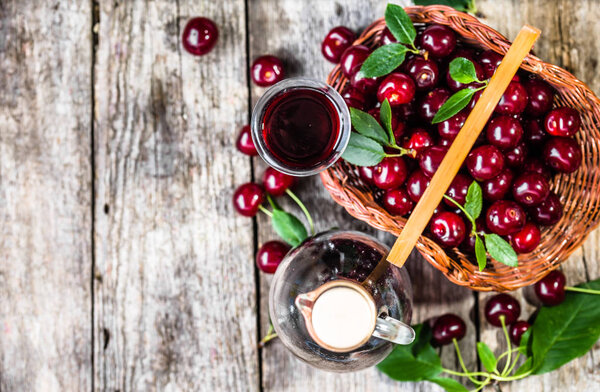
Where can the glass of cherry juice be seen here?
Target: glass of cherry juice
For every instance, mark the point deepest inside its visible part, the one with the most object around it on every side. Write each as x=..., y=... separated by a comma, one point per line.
x=301, y=126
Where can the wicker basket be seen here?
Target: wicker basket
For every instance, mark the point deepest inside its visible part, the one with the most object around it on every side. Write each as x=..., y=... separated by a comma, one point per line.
x=579, y=192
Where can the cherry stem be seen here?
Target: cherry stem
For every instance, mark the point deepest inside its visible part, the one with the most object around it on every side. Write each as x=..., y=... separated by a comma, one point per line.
x=514, y=363
x=303, y=208
x=268, y=337
x=265, y=211
x=508, y=357
x=582, y=290
x=462, y=363
x=473, y=225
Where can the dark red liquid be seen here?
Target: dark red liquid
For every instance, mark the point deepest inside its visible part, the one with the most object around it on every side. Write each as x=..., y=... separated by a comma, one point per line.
x=301, y=127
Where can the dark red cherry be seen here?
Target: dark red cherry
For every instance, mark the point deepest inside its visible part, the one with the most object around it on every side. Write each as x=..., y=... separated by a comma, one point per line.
x=551, y=288
x=537, y=166
x=366, y=174
x=468, y=244
x=390, y=173
x=563, y=122
x=266, y=71
x=489, y=61
x=514, y=99
x=439, y=41
x=502, y=305
x=562, y=154
x=425, y=73
x=431, y=102
x=527, y=239
x=244, y=142
x=548, y=212
x=504, y=132
x=405, y=112
x=419, y=140
x=398, y=129
x=352, y=59
x=416, y=185
x=387, y=37
x=517, y=329
x=534, y=133
x=199, y=36
x=336, y=42
x=455, y=86
x=530, y=189
x=364, y=85
x=270, y=254
x=431, y=158
x=397, y=202
x=449, y=129
x=458, y=189
x=485, y=162
x=516, y=156
x=247, y=198
x=446, y=328
x=497, y=187
x=473, y=101
x=505, y=217
x=447, y=229
x=540, y=95
x=398, y=88
x=466, y=53
x=276, y=183
x=354, y=98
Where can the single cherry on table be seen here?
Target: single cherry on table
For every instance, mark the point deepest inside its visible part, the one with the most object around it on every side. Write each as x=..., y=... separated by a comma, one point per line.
x=446, y=328
x=502, y=305
x=244, y=142
x=247, y=199
x=267, y=70
x=516, y=331
x=551, y=288
x=276, y=182
x=270, y=255
x=199, y=36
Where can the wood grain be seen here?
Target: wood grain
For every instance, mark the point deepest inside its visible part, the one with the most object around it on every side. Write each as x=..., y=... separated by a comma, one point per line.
x=174, y=292
x=45, y=196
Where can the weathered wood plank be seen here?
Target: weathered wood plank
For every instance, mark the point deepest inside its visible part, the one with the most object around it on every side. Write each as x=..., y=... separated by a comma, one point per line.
x=174, y=290
x=45, y=196
x=293, y=31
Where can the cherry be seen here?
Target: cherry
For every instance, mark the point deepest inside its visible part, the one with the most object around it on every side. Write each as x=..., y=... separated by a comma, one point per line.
x=276, y=183
x=390, y=173
x=530, y=189
x=504, y=132
x=527, y=239
x=416, y=185
x=466, y=53
x=449, y=129
x=353, y=58
x=562, y=154
x=455, y=86
x=398, y=88
x=489, y=61
x=562, y=122
x=447, y=328
x=534, y=133
x=515, y=157
x=551, y=288
x=431, y=102
x=365, y=85
x=398, y=129
x=502, y=305
x=458, y=190
x=536, y=165
x=199, y=36
x=336, y=42
x=366, y=174
x=548, y=212
x=468, y=244
x=270, y=254
x=541, y=96
x=247, y=198
x=424, y=72
x=397, y=202
x=517, y=329
x=514, y=99
x=497, y=187
x=354, y=98
x=387, y=37
x=419, y=140
x=266, y=71
x=405, y=112
x=447, y=229
x=438, y=40
x=244, y=142
x=474, y=100
x=505, y=217
x=485, y=162
x=431, y=158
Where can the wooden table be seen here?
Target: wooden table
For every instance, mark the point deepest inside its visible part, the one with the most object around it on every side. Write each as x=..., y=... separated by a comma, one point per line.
x=122, y=263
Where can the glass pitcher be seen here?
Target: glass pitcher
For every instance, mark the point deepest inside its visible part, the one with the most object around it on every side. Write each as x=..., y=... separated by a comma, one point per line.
x=341, y=260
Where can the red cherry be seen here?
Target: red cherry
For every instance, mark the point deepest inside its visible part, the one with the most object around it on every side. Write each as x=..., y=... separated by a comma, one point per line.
x=247, y=198
x=489, y=61
x=431, y=102
x=515, y=157
x=397, y=202
x=276, y=183
x=551, y=288
x=336, y=42
x=419, y=140
x=537, y=166
x=447, y=328
x=366, y=174
x=473, y=101
x=416, y=185
x=270, y=255
x=405, y=112
x=502, y=305
x=353, y=58
x=497, y=187
x=438, y=40
x=425, y=73
x=505, y=217
x=244, y=142
x=530, y=189
x=548, y=212
x=364, y=85
x=517, y=329
x=390, y=173
x=398, y=88
x=527, y=239
x=199, y=36
x=485, y=162
x=354, y=98
x=514, y=99
x=541, y=96
x=266, y=71
x=563, y=122
x=447, y=229
x=562, y=154
x=431, y=158
x=449, y=129
x=534, y=133
x=387, y=37
x=458, y=190
x=504, y=132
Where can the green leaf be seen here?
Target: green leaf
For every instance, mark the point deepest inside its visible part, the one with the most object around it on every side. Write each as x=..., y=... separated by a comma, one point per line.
x=487, y=357
x=480, y=253
x=366, y=125
x=525, y=345
x=362, y=151
x=414, y=362
x=474, y=200
x=525, y=367
x=385, y=116
x=459, y=5
x=500, y=250
x=288, y=227
x=400, y=25
x=567, y=331
x=457, y=102
x=462, y=70
x=449, y=384
x=383, y=60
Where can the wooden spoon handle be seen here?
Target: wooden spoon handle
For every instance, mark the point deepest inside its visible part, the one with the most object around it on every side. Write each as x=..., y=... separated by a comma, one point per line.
x=462, y=145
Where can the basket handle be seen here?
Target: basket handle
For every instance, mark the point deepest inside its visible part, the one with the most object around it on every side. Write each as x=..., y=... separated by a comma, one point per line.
x=462, y=145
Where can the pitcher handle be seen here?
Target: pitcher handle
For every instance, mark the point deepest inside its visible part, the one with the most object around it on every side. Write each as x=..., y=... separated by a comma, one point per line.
x=395, y=331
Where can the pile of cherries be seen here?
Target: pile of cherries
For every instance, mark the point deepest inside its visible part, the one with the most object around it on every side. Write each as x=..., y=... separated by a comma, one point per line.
x=524, y=143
